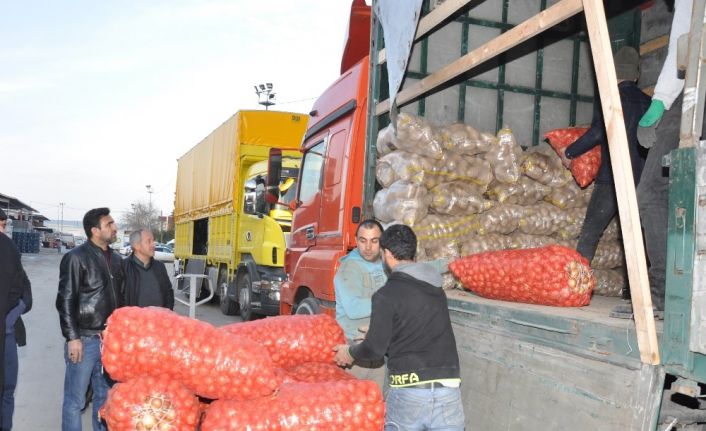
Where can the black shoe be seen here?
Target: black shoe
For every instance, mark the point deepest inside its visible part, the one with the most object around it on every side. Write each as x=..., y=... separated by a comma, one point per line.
x=625, y=311
x=622, y=311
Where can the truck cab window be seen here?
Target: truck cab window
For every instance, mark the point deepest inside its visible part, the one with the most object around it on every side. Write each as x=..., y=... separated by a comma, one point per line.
x=311, y=172
x=254, y=197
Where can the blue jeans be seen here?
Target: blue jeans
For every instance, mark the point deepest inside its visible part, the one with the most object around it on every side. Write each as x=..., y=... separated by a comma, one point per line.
x=76, y=380
x=10, y=382
x=410, y=409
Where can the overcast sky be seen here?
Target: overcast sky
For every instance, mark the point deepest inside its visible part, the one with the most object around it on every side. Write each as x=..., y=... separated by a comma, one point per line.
x=99, y=98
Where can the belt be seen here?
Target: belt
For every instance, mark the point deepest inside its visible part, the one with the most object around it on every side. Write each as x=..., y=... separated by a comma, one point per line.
x=430, y=385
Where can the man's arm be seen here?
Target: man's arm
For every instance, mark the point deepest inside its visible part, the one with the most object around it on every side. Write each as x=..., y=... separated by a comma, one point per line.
x=349, y=285
x=377, y=340
x=67, y=298
x=165, y=286
x=593, y=136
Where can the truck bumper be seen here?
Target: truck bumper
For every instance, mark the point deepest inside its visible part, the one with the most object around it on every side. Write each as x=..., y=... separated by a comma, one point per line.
x=268, y=298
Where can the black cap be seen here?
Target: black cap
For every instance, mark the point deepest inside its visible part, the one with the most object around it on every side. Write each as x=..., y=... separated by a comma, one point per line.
x=627, y=63
x=3, y=216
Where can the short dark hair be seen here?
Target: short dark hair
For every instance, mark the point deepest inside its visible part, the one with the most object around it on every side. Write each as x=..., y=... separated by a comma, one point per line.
x=369, y=224
x=3, y=216
x=93, y=219
x=401, y=241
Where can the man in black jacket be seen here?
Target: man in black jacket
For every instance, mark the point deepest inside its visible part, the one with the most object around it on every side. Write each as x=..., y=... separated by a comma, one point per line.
x=19, y=302
x=410, y=324
x=146, y=280
x=603, y=205
x=90, y=288
x=12, y=279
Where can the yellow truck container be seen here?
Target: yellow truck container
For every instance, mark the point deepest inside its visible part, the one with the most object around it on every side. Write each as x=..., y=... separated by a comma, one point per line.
x=225, y=228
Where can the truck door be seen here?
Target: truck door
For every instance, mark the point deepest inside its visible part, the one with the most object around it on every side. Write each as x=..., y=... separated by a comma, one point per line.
x=309, y=199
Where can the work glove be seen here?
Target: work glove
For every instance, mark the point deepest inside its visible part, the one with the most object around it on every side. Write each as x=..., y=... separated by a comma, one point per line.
x=647, y=136
x=653, y=115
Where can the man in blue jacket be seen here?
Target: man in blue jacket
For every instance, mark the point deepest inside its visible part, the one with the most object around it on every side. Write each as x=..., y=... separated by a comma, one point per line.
x=359, y=275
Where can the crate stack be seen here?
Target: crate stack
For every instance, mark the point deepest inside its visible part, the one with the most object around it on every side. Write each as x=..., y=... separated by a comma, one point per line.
x=26, y=242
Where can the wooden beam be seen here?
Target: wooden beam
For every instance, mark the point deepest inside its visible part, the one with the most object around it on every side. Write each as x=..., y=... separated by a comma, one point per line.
x=513, y=37
x=654, y=44
x=624, y=184
x=431, y=20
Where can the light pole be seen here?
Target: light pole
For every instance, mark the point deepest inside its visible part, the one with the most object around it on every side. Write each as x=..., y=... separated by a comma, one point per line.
x=149, y=214
x=265, y=95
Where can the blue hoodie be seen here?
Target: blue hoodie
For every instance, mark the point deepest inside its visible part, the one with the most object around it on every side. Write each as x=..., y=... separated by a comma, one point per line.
x=355, y=282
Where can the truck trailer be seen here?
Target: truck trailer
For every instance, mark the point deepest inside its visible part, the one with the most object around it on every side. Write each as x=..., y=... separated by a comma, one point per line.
x=224, y=227
x=534, y=65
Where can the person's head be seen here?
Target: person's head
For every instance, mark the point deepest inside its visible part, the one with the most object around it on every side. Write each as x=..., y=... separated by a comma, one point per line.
x=142, y=243
x=100, y=227
x=367, y=236
x=398, y=244
x=3, y=221
x=627, y=64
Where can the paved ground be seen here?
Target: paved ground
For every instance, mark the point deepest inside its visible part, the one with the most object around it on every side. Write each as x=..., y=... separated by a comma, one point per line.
x=40, y=387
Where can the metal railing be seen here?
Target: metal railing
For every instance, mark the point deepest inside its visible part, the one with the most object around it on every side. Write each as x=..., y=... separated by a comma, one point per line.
x=192, y=303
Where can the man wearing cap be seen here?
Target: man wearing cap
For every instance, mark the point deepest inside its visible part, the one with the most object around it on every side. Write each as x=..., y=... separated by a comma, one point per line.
x=603, y=205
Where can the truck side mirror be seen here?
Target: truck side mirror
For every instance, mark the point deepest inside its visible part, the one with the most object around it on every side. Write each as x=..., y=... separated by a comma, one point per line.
x=274, y=172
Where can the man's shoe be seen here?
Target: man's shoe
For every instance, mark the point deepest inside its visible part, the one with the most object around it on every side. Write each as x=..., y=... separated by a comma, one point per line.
x=622, y=311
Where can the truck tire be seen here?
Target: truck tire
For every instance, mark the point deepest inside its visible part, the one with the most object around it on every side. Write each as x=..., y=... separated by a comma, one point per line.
x=308, y=306
x=228, y=306
x=245, y=297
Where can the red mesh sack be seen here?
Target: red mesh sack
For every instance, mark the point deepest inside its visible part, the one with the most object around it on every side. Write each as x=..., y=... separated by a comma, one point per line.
x=315, y=372
x=552, y=275
x=150, y=403
x=293, y=340
x=585, y=167
x=354, y=405
x=211, y=363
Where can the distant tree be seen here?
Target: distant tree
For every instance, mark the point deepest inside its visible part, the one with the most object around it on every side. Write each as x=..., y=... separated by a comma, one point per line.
x=140, y=215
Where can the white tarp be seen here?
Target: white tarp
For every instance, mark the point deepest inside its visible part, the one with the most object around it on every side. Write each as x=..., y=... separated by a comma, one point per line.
x=399, y=20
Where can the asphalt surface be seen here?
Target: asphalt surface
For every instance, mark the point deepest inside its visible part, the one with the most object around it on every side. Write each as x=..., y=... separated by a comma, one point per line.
x=39, y=393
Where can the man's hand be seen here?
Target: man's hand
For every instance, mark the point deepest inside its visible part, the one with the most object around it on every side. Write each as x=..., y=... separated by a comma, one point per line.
x=343, y=356
x=653, y=115
x=75, y=348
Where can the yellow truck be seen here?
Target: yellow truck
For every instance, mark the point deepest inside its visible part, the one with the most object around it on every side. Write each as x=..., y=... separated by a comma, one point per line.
x=231, y=208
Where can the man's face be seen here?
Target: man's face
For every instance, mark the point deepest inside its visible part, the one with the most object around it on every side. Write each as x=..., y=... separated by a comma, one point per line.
x=146, y=244
x=108, y=232
x=3, y=226
x=369, y=243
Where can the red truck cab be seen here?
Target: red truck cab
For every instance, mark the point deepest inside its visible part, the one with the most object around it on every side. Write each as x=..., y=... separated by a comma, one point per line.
x=328, y=206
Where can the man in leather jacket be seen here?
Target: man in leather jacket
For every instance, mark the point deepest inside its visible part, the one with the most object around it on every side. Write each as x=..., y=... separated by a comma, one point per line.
x=90, y=287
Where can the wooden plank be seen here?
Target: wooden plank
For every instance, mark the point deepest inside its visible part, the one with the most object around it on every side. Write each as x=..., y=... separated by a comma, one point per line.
x=513, y=37
x=654, y=44
x=624, y=185
x=440, y=14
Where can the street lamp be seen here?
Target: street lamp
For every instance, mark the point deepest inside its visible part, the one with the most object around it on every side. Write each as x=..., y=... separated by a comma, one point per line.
x=149, y=214
x=265, y=95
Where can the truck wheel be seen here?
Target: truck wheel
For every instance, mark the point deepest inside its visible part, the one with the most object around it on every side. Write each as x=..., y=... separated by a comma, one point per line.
x=308, y=306
x=228, y=306
x=245, y=297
